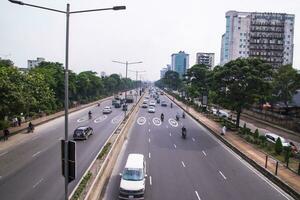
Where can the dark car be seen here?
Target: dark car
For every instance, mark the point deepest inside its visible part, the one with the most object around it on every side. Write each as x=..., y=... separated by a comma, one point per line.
x=157, y=101
x=82, y=133
x=164, y=103
x=125, y=107
x=118, y=104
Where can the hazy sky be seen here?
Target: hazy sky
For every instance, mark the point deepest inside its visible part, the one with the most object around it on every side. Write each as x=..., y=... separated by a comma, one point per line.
x=148, y=31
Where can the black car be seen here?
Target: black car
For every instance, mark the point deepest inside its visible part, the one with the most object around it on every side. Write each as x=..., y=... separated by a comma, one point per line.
x=125, y=107
x=118, y=104
x=158, y=100
x=82, y=133
x=164, y=103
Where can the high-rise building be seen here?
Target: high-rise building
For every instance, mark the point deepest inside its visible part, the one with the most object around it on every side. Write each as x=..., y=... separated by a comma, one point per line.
x=268, y=36
x=34, y=63
x=207, y=59
x=180, y=62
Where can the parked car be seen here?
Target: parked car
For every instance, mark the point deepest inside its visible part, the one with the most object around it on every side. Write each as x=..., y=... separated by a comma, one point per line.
x=82, y=133
x=151, y=109
x=132, y=184
x=164, y=103
x=272, y=137
x=107, y=110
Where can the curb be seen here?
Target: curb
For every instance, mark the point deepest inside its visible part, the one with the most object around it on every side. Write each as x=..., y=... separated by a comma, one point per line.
x=289, y=190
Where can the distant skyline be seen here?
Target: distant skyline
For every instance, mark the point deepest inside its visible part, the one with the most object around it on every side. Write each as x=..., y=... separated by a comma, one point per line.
x=148, y=31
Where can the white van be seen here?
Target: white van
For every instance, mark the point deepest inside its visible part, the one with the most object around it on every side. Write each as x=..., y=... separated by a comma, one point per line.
x=132, y=185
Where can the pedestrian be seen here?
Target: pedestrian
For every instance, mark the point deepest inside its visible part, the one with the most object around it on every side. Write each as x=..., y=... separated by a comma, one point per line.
x=6, y=134
x=19, y=121
x=223, y=130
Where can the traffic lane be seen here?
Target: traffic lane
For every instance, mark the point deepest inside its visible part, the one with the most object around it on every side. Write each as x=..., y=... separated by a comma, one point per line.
x=56, y=171
x=45, y=136
x=222, y=162
x=137, y=142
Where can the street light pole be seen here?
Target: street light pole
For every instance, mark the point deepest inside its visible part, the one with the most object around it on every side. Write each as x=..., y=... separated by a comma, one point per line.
x=67, y=12
x=66, y=165
x=136, y=80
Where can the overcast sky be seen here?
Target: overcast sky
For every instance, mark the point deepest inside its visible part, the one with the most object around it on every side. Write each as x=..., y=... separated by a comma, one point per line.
x=148, y=31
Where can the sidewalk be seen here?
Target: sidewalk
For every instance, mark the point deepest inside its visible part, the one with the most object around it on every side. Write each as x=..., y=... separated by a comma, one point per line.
x=15, y=138
x=286, y=175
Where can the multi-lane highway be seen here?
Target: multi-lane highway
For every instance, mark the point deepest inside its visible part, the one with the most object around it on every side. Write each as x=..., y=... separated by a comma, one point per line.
x=32, y=170
x=199, y=167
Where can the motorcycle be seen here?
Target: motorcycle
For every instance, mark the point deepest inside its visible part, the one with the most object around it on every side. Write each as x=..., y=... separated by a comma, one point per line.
x=183, y=115
x=171, y=105
x=183, y=133
x=162, y=118
x=177, y=118
x=30, y=129
x=90, y=116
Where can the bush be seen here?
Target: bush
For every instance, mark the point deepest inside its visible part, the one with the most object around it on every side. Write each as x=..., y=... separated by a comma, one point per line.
x=4, y=124
x=278, y=146
x=248, y=138
x=263, y=138
x=256, y=134
x=269, y=147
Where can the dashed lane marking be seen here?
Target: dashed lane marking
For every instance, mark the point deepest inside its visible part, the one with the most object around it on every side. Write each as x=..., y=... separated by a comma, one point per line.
x=193, y=139
x=170, y=134
x=149, y=130
x=82, y=119
x=197, y=195
x=204, y=153
x=37, y=153
x=175, y=146
x=149, y=155
x=117, y=119
x=150, y=180
x=149, y=140
x=2, y=154
x=222, y=175
x=141, y=121
x=182, y=163
x=37, y=183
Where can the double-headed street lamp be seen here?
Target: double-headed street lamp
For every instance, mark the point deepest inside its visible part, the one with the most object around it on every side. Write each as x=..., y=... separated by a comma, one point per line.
x=67, y=13
x=136, y=80
x=126, y=63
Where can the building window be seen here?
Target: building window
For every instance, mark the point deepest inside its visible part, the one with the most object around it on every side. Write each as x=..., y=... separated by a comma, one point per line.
x=240, y=28
x=241, y=34
x=240, y=52
x=241, y=40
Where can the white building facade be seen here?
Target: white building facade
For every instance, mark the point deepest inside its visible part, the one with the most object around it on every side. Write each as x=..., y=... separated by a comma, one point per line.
x=207, y=59
x=268, y=36
x=34, y=63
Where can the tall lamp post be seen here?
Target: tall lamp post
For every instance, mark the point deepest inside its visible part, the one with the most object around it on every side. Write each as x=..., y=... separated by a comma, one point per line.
x=67, y=13
x=126, y=64
x=136, y=79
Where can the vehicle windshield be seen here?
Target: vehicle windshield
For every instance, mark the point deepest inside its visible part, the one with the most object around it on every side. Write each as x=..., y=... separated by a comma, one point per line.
x=133, y=174
x=79, y=132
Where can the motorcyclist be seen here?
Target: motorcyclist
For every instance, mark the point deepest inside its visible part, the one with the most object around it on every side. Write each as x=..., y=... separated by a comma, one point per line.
x=177, y=117
x=162, y=116
x=90, y=115
x=183, y=114
x=30, y=127
x=98, y=104
x=183, y=131
x=171, y=105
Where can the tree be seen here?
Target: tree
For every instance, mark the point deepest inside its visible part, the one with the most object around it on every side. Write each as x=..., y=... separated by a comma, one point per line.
x=199, y=79
x=240, y=83
x=172, y=80
x=6, y=63
x=285, y=84
x=278, y=146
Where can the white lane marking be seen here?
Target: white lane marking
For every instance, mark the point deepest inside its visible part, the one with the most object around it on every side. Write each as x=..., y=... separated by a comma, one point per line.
x=149, y=155
x=175, y=146
x=222, y=175
x=149, y=140
x=156, y=121
x=100, y=119
x=141, y=121
x=193, y=139
x=182, y=163
x=37, y=153
x=150, y=180
x=2, y=154
x=167, y=126
x=170, y=134
x=82, y=119
x=149, y=130
x=197, y=195
x=34, y=138
x=60, y=138
x=38, y=183
x=173, y=122
x=204, y=153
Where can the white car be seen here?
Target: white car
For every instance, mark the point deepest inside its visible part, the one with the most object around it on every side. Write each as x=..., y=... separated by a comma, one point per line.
x=151, y=109
x=272, y=137
x=152, y=103
x=107, y=110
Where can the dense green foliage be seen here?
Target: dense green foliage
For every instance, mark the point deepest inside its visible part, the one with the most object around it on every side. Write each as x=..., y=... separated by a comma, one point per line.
x=41, y=89
x=278, y=146
x=237, y=85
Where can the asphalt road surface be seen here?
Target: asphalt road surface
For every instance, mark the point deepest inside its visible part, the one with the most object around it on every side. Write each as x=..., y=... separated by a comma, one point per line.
x=32, y=170
x=197, y=168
